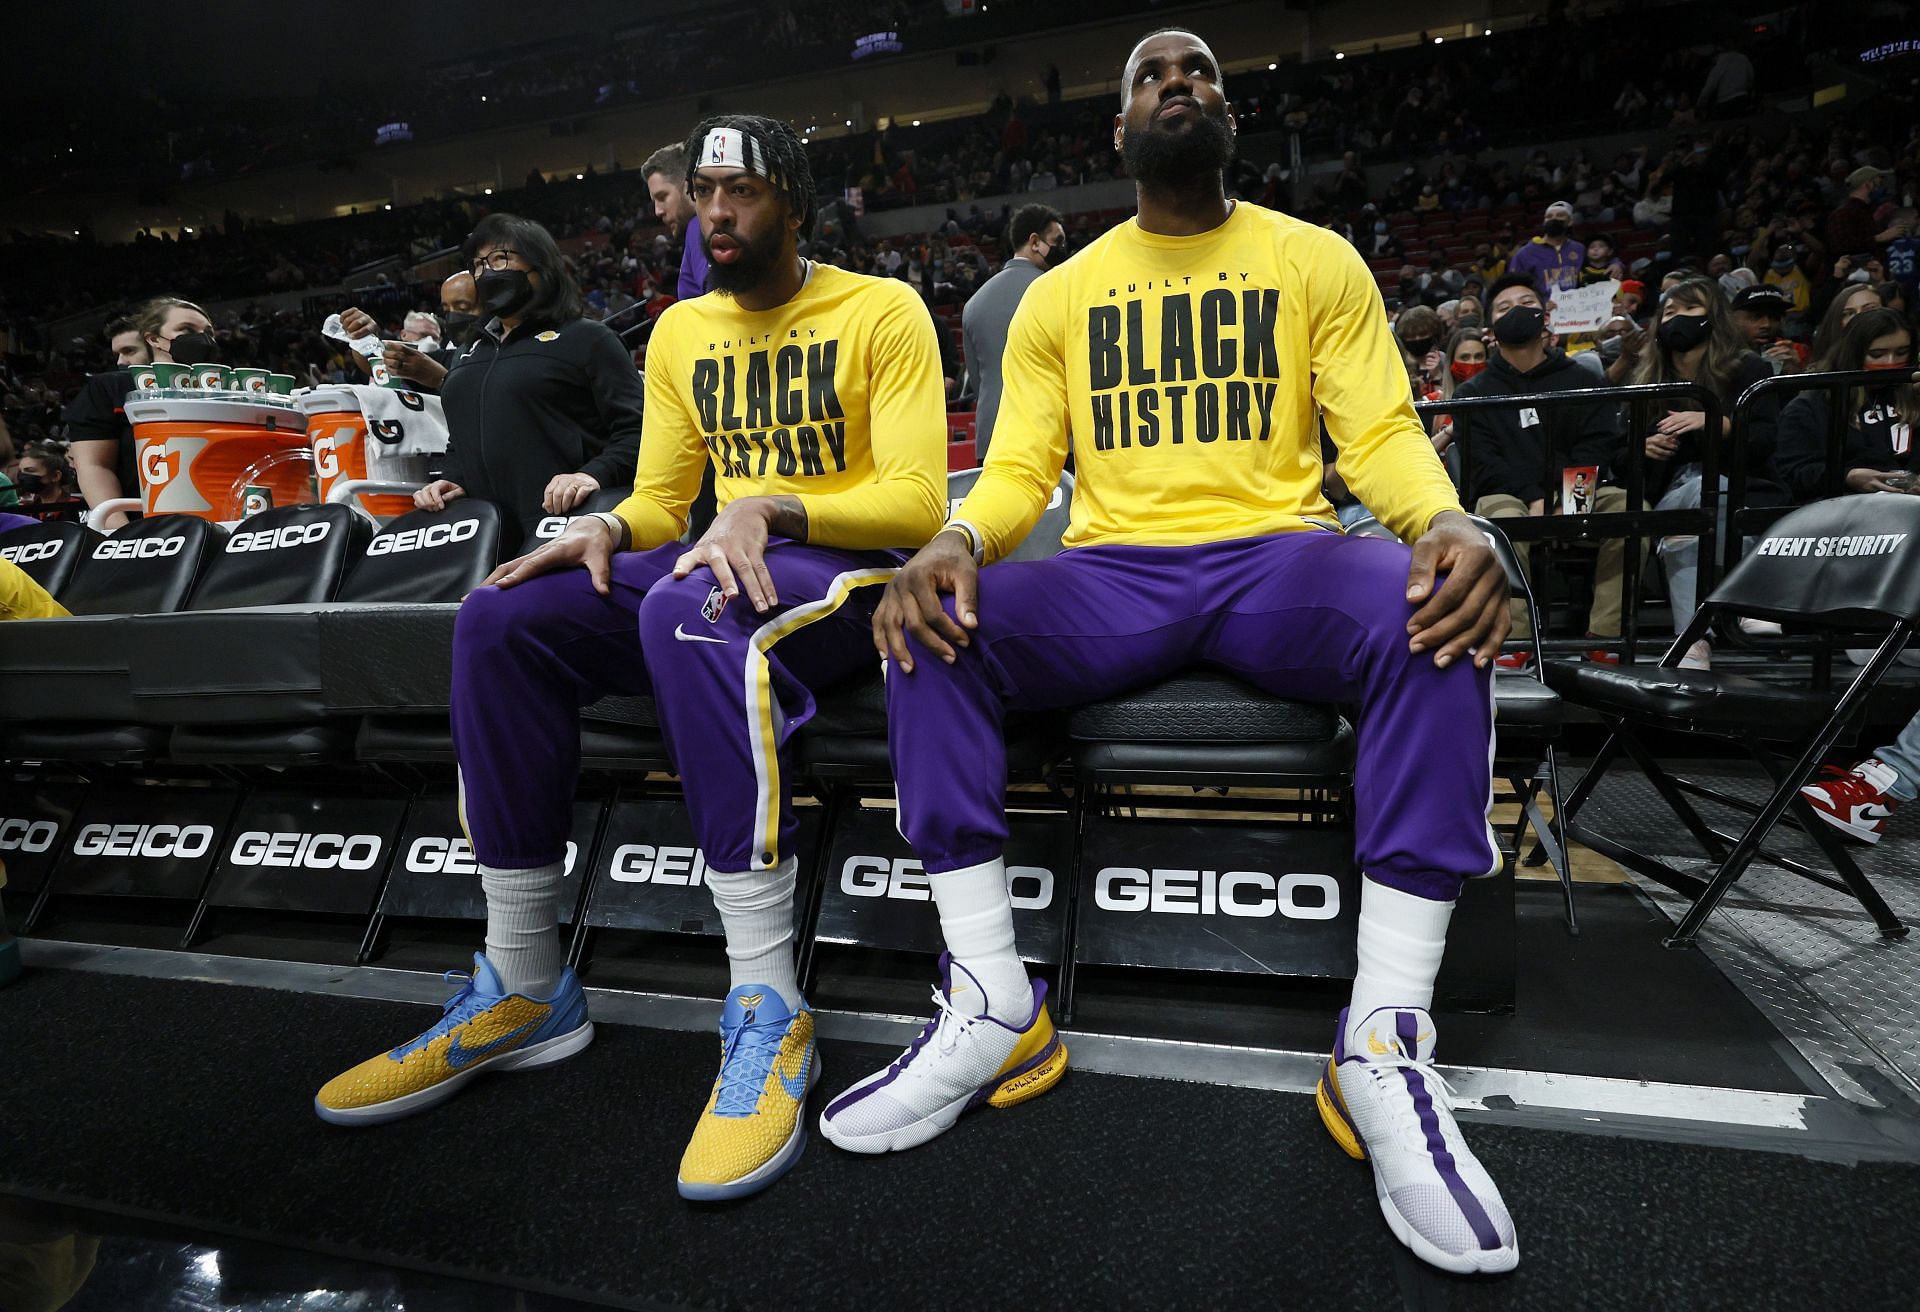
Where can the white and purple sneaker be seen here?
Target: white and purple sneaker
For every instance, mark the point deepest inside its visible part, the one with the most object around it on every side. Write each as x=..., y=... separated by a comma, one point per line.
x=1389, y=1106
x=963, y=1059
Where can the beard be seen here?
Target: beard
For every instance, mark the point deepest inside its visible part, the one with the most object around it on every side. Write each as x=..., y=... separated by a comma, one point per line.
x=758, y=258
x=1167, y=159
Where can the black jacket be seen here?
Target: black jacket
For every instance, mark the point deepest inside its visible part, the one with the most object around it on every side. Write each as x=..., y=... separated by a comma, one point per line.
x=551, y=399
x=1875, y=439
x=1504, y=446
x=1763, y=420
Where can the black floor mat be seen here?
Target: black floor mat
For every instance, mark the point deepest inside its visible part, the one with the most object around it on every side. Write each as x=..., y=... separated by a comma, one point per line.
x=193, y=1101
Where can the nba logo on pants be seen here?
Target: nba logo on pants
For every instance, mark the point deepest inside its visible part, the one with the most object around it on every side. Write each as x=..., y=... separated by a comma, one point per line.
x=715, y=603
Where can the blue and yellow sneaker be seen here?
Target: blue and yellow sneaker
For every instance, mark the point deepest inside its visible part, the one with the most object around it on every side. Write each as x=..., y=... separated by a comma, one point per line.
x=752, y=1130
x=484, y=1028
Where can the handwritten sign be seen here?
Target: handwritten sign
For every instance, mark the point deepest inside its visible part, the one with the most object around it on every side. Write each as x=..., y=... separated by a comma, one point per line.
x=1583, y=309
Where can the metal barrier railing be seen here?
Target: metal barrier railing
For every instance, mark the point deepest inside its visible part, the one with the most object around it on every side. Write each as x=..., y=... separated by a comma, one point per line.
x=1632, y=525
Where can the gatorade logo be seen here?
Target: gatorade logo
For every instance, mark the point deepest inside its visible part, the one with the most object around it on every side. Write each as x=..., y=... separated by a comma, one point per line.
x=433, y=855
x=272, y=539
x=139, y=548
x=1253, y=894
x=27, y=835
x=327, y=452
x=423, y=539
x=257, y=847
x=903, y=879
x=387, y=432
x=178, y=841
x=28, y=552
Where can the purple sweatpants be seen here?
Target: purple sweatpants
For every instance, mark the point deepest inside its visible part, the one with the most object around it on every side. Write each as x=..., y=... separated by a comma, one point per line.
x=730, y=685
x=1308, y=615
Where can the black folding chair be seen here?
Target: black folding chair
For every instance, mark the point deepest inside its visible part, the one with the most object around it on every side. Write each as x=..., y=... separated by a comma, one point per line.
x=1848, y=565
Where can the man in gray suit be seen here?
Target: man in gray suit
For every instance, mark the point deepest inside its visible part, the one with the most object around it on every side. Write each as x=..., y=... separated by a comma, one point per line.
x=1038, y=242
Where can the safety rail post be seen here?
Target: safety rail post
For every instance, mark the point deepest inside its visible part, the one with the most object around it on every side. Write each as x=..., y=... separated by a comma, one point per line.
x=1637, y=521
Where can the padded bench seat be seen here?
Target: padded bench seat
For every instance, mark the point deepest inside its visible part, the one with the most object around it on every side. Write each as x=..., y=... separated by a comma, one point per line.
x=1526, y=706
x=1207, y=727
x=1694, y=699
x=847, y=736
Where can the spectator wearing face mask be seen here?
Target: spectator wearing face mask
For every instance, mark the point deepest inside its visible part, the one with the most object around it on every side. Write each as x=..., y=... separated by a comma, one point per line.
x=1521, y=455
x=45, y=480
x=1697, y=340
x=435, y=343
x=1877, y=450
x=175, y=331
x=1553, y=260
x=1038, y=241
x=1852, y=226
x=544, y=408
x=1784, y=272
x=1421, y=333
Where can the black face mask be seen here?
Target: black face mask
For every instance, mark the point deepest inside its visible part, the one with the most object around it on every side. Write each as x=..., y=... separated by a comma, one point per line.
x=459, y=327
x=26, y=482
x=1418, y=347
x=503, y=292
x=1520, y=325
x=1683, y=332
x=194, y=348
x=1555, y=228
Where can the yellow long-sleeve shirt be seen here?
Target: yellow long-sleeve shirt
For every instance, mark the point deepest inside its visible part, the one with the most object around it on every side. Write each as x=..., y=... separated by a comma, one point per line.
x=23, y=599
x=835, y=397
x=1187, y=373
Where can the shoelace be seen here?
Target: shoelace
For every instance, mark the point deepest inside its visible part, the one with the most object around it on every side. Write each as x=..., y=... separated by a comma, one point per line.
x=755, y=1045
x=947, y=1028
x=1406, y=1121
x=460, y=1008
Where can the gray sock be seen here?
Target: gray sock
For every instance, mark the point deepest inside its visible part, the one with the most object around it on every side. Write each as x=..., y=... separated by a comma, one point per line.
x=523, y=928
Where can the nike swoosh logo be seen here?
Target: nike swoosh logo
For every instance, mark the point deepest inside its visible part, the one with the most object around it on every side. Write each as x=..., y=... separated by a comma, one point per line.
x=459, y=1058
x=796, y=1088
x=684, y=636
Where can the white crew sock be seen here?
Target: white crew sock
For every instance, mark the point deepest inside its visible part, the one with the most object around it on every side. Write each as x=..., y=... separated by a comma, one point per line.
x=976, y=916
x=523, y=928
x=756, y=909
x=1401, y=939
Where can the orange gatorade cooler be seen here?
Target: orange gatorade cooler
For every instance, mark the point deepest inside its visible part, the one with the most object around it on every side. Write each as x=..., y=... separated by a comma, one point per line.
x=345, y=447
x=199, y=456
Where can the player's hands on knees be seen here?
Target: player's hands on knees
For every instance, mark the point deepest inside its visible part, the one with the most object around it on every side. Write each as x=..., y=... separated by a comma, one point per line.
x=912, y=602
x=1469, y=614
x=734, y=547
x=435, y=495
x=588, y=542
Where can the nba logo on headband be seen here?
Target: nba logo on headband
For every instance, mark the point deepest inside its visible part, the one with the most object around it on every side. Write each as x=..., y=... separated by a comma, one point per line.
x=725, y=148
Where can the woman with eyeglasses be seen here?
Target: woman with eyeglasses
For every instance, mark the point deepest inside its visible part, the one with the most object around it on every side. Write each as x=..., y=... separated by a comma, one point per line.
x=1877, y=449
x=543, y=407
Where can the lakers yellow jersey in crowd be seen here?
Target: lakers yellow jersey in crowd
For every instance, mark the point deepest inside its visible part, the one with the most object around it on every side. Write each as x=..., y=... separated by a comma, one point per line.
x=835, y=397
x=1189, y=374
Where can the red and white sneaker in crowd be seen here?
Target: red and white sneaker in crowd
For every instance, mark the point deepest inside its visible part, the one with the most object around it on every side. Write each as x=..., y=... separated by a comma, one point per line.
x=1513, y=660
x=1857, y=801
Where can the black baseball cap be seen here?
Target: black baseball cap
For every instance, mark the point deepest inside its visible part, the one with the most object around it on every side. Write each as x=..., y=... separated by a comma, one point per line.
x=1763, y=299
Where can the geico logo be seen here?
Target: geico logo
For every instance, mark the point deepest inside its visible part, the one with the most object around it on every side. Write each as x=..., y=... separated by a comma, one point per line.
x=306, y=851
x=139, y=548
x=28, y=552
x=430, y=855
x=1251, y=893
x=423, y=539
x=271, y=539
x=143, y=840
x=642, y=863
x=551, y=526
x=905, y=879
x=27, y=835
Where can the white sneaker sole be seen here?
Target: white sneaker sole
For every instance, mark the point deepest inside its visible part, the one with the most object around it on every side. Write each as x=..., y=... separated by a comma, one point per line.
x=534, y=1055
x=1864, y=833
x=768, y=1171
x=1481, y=1261
x=931, y=1126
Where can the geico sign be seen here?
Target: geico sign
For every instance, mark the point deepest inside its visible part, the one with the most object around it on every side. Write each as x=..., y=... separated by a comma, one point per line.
x=27, y=835
x=143, y=840
x=306, y=851
x=643, y=863
x=28, y=552
x=1252, y=893
x=139, y=548
x=271, y=539
x=423, y=539
x=552, y=526
x=903, y=878
x=431, y=855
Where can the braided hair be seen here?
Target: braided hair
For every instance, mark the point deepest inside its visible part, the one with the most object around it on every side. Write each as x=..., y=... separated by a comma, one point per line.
x=774, y=151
